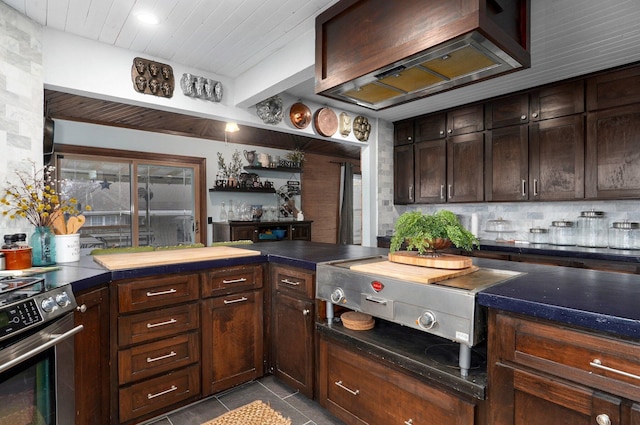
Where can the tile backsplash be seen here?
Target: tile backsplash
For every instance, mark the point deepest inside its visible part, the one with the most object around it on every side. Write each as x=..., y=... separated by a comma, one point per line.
x=525, y=215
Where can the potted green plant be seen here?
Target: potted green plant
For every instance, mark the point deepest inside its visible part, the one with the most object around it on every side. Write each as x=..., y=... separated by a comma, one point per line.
x=429, y=233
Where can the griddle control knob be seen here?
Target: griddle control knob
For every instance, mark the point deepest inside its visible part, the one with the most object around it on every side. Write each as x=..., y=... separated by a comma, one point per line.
x=337, y=296
x=427, y=320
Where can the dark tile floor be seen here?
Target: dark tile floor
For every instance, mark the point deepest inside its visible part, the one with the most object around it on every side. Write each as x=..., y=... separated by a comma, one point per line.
x=281, y=398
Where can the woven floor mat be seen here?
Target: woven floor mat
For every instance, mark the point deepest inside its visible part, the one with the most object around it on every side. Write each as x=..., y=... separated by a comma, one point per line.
x=256, y=413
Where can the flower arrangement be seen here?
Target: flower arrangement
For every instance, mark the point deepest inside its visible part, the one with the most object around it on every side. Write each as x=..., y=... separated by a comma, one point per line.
x=234, y=167
x=296, y=156
x=36, y=198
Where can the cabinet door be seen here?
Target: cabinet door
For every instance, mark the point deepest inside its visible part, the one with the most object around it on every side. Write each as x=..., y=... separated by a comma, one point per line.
x=293, y=342
x=403, y=174
x=465, y=120
x=403, y=133
x=301, y=232
x=556, y=168
x=510, y=110
x=430, y=127
x=232, y=341
x=557, y=101
x=244, y=233
x=528, y=398
x=465, y=168
x=92, y=358
x=431, y=171
x=613, y=89
x=507, y=160
x=613, y=153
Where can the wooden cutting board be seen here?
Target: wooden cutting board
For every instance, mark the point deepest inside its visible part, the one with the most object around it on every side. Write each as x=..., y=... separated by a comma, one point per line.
x=411, y=273
x=136, y=260
x=444, y=261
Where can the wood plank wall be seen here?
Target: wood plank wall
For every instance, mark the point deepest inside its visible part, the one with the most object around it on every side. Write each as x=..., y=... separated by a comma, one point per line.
x=320, y=182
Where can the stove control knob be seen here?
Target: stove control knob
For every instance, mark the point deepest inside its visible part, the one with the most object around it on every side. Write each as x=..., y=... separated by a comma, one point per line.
x=48, y=304
x=63, y=299
x=337, y=296
x=427, y=320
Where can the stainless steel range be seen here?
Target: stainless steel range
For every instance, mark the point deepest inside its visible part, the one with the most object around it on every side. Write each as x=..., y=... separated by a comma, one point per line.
x=446, y=308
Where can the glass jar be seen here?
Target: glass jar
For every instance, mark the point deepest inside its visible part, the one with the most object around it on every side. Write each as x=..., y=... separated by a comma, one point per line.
x=538, y=235
x=592, y=230
x=562, y=232
x=624, y=235
x=43, y=245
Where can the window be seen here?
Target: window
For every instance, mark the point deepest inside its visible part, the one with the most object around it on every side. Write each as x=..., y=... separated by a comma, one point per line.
x=160, y=206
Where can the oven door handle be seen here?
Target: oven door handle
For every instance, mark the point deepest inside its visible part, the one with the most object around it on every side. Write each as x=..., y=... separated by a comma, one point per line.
x=55, y=339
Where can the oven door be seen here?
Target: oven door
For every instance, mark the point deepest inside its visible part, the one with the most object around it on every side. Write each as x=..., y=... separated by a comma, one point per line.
x=37, y=376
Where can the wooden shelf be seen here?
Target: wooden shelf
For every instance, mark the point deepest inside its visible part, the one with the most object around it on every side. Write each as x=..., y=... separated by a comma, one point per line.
x=277, y=169
x=247, y=190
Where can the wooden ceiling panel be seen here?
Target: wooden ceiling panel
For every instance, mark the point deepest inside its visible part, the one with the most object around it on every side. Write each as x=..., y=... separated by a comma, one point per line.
x=65, y=106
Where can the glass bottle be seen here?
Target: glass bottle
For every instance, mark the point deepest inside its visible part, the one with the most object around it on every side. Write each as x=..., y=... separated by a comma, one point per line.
x=230, y=213
x=223, y=213
x=43, y=245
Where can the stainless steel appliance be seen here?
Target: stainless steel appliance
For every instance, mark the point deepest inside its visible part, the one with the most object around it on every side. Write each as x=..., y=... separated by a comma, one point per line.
x=446, y=308
x=36, y=352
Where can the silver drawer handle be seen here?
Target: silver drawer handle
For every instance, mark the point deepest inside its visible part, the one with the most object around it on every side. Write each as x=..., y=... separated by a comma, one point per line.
x=409, y=422
x=226, y=282
x=339, y=383
x=150, y=396
x=166, y=356
x=238, y=300
x=598, y=364
x=290, y=282
x=155, y=325
x=153, y=294
x=376, y=300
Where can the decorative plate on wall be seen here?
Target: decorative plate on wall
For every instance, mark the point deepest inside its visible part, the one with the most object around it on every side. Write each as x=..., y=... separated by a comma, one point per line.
x=326, y=122
x=300, y=115
x=361, y=128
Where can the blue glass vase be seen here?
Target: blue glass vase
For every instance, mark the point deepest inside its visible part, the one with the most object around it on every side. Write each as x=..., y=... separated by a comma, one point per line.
x=43, y=246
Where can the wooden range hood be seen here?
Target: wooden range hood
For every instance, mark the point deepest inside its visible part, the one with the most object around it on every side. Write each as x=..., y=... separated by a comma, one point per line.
x=380, y=53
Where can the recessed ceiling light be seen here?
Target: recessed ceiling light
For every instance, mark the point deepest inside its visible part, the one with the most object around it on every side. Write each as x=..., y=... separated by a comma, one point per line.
x=147, y=18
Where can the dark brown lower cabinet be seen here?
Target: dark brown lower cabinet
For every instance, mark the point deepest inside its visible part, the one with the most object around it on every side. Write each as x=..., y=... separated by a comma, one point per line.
x=92, y=358
x=232, y=340
x=361, y=390
x=541, y=373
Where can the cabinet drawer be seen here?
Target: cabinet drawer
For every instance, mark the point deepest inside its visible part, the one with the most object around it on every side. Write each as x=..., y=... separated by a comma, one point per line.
x=159, y=393
x=163, y=323
x=146, y=293
x=596, y=361
x=150, y=359
x=231, y=279
x=293, y=281
x=371, y=392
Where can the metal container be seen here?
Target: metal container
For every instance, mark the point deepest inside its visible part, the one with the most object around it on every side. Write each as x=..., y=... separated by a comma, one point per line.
x=562, y=232
x=538, y=235
x=624, y=235
x=592, y=230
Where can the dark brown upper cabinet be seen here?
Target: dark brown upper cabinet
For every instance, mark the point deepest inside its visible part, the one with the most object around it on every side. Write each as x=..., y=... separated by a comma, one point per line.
x=465, y=168
x=403, y=183
x=463, y=120
x=507, y=164
x=431, y=171
x=613, y=153
x=431, y=127
x=557, y=101
x=508, y=110
x=403, y=133
x=613, y=89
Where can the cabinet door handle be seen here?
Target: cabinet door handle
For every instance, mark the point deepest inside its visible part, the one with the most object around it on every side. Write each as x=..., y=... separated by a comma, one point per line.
x=155, y=325
x=290, y=282
x=442, y=132
x=411, y=192
x=535, y=187
x=523, y=117
x=152, y=396
x=154, y=294
x=228, y=282
x=524, y=188
x=306, y=312
x=450, y=191
x=409, y=422
x=237, y=300
x=354, y=392
x=166, y=356
x=598, y=364
x=534, y=115
x=441, y=191
x=449, y=131
x=603, y=419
